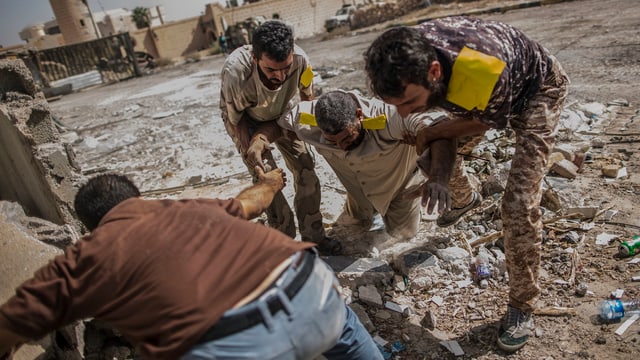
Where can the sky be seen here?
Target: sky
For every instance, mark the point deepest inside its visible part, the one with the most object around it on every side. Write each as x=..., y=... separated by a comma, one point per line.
x=15, y=15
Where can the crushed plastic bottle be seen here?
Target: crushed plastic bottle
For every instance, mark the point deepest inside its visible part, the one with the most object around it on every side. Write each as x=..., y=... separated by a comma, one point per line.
x=617, y=309
x=483, y=271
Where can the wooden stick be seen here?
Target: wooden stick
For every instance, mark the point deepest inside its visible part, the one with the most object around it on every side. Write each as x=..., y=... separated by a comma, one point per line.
x=486, y=239
x=555, y=311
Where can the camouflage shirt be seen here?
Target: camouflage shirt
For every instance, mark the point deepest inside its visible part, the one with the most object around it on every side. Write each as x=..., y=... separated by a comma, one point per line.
x=527, y=63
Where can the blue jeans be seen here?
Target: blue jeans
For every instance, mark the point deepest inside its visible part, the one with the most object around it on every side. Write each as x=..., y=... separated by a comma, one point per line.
x=316, y=321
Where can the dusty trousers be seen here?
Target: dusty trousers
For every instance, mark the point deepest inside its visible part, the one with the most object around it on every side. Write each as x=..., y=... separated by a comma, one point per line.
x=535, y=130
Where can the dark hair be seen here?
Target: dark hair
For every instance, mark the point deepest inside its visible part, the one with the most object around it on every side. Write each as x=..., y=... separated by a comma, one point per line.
x=99, y=195
x=274, y=38
x=335, y=111
x=398, y=57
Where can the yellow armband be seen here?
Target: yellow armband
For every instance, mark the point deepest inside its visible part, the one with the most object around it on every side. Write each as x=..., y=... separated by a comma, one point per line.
x=374, y=123
x=473, y=77
x=308, y=119
x=307, y=77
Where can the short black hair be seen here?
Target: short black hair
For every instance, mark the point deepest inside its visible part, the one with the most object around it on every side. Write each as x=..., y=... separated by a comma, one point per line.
x=335, y=111
x=99, y=195
x=273, y=38
x=398, y=57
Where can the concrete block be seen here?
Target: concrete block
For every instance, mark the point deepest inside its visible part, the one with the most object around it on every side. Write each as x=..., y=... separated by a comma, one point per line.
x=586, y=212
x=369, y=295
x=565, y=168
x=20, y=256
x=354, y=272
x=614, y=171
x=567, y=151
x=429, y=320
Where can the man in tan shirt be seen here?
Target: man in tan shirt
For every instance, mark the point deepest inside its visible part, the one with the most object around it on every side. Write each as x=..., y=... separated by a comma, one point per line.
x=260, y=82
x=363, y=140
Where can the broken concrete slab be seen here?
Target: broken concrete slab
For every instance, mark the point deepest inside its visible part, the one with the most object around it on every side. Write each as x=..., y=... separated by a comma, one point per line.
x=565, y=168
x=355, y=272
x=38, y=171
x=369, y=295
x=20, y=256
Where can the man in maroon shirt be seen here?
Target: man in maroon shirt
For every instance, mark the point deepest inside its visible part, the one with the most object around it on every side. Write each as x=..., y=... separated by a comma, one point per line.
x=189, y=279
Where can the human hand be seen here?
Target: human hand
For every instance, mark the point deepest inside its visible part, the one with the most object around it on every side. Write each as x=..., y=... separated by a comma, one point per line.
x=436, y=192
x=408, y=138
x=257, y=147
x=275, y=178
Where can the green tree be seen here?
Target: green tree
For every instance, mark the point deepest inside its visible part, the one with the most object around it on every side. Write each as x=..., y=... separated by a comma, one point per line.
x=140, y=16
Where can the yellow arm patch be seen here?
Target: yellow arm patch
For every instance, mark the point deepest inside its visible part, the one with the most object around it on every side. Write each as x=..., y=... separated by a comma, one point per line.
x=375, y=123
x=473, y=77
x=307, y=119
x=307, y=77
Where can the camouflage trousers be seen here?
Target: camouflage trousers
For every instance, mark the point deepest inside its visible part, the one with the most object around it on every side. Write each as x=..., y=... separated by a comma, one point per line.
x=536, y=130
x=306, y=184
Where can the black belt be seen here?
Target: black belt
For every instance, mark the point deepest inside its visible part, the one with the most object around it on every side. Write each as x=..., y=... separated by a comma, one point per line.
x=228, y=325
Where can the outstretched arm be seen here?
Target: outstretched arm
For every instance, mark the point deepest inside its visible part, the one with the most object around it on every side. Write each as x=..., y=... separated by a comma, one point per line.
x=437, y=164
x=257, y=198
x=260, y=142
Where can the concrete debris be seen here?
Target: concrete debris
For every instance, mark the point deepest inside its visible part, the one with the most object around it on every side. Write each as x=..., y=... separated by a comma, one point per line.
x=438, y=300
x=619, y=331
x=453, y=347
x=586, y=212
x=565, y=168
x=429, y=320
x=614, y=171
x=395, y=307
x=605, y=238
x=369, y=295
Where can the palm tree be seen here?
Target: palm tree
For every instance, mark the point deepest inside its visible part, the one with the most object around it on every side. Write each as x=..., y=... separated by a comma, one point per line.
x=140, y=16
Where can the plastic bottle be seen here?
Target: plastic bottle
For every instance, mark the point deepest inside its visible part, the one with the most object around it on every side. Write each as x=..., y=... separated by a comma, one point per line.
x=483, y=270
x=617, y=309
x=631, y=247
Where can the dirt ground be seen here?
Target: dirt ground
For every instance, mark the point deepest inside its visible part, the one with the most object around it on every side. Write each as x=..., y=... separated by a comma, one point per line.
x=164, y=130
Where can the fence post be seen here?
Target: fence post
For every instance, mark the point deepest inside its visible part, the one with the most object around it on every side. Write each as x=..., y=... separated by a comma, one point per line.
x=131, y=53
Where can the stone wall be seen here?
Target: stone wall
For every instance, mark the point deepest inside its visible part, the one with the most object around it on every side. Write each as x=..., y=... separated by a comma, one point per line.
x=173, y=40
x=38, y=171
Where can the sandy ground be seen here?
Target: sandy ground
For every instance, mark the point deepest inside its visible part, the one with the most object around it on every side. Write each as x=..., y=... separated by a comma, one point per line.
x=164, y=130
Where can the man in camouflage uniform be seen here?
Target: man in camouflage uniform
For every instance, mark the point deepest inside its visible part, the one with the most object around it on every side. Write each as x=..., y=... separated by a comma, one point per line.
x=259, y=83
x=359, y=138
x=487, y=75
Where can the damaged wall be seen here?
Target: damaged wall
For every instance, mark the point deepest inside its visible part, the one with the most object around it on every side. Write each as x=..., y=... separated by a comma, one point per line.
x=38, y=183
x=37, y=170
